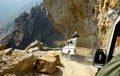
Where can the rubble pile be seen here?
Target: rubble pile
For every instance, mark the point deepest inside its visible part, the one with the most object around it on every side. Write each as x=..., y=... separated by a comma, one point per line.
x=16, y=61
x=48, y=62
x=2, y=47
x=54, y=54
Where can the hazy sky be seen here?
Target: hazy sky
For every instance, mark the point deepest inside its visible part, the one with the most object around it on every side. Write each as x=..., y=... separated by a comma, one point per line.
x=15, y=3
x=9, y=7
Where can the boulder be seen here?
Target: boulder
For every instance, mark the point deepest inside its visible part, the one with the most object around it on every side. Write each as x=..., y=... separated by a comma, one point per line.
x=17, y=62
x=46, y=64
x=4, y=54
x=8, y=51
x=32, y=49
x=34, y=44
x=2, y=47
x=54, y=54
x=10, y=74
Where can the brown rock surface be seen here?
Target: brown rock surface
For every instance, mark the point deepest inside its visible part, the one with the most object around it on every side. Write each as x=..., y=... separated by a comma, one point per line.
x=8, y=51
x=88, y=17
x=18, y=62
x=32, y=50
x=80, y=65
x=54, y=54
x=34, y=44
x=46, y=64
x=2, y=47
x=104, y=24
x=69, y=16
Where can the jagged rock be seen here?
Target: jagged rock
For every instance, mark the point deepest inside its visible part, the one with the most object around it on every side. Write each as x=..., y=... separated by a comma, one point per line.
x=32, y=49
x=54, y=54
x=10, y=74
x=34, y=44
x=46, y=64
x=2, y=47
x=104, y=23
x=18, y=62
x=73, y=15
x=88, y=17
x=8, y=51
x=28, y=27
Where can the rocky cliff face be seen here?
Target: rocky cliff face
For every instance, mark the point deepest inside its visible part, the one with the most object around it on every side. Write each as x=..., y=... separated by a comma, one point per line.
x=87, y=17
x=104, y=24
x=69, y=16
x=31, y=26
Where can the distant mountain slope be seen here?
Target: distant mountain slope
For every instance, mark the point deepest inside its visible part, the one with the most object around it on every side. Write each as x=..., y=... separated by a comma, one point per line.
x=10, y=12
x=10, y=7
x=27, y=7
x=29, y=27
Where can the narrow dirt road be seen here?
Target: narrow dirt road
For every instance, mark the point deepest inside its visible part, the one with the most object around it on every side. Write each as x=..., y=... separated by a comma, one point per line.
x=73, y=68
x=78, y=65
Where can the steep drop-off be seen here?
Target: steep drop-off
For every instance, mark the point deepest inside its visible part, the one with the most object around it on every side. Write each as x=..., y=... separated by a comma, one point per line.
x=87, y=17
x=31, y=26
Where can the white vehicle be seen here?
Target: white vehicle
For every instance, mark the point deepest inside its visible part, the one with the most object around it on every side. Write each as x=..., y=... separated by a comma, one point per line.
x=69, y=47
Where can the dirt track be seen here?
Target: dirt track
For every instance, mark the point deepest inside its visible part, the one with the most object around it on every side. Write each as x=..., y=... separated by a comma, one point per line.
x=78, y=65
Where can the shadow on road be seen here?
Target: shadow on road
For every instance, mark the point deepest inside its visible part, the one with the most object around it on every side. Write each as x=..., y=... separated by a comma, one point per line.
x=81, y=59
x=57, y=73
x=61, y=65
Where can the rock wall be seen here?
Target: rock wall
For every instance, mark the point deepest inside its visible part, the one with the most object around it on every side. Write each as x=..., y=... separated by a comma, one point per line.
x=87, y=17
x=69, y=16
x=104, y=23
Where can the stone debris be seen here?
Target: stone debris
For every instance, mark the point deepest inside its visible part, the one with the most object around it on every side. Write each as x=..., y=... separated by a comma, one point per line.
x=46, y=64
x=54, y=54
x=8, y=51
x=34, y=44
x=32, y=49
x=2, y=47
x=15, y=62
x=18, y=62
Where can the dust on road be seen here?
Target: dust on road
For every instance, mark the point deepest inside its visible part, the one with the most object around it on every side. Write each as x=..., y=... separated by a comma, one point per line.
x=78, y=65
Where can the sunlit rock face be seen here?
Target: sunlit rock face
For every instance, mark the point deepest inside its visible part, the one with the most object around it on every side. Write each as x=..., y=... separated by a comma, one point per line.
x=69, y=16
x=104, y=23
x=88, y=17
